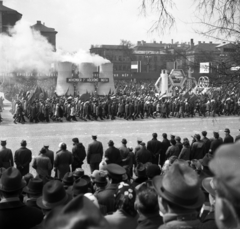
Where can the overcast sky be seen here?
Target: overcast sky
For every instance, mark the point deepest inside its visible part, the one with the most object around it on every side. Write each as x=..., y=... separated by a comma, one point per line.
x=81, y=23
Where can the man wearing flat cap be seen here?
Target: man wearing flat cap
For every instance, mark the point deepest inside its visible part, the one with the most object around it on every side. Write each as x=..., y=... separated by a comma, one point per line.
x=6, y=156
x=94, y=154
x=216, y=142
x=79, y=154
x=226, y=169
x=23, y=158
x=179, y=197
x=106, y=197
x=143, y=155
x=228, y=138
x=13, y=213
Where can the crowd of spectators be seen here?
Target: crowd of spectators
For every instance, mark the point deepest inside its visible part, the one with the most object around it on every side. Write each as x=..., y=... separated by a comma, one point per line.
x=158, y=184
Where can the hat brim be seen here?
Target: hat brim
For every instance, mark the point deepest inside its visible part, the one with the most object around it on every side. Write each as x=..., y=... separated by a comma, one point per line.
x=157, y=183
x=26, y=190
x=23, y=184
x=40, y=204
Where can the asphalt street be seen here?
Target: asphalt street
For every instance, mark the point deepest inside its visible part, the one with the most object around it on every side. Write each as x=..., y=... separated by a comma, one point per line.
x=52, y=133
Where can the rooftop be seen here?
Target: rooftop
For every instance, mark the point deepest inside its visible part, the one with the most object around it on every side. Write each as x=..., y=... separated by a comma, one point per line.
x=7, y=10
x=42, y=28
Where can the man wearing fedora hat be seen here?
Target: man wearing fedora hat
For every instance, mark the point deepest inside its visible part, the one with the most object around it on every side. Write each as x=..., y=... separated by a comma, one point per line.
x=216, y=142
x=6, y=156
x=53, y=195
x=13, y=213
x=179, y=197
x=23, y=158
x=33, y=191
x=94, y=154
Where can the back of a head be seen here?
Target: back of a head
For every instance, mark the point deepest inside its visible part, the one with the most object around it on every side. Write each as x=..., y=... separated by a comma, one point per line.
x=23, y=143
x=204, y=133
x=146, y=199
x=164, y=135
x=216, y=135
x=63, y=146
x=173, y=142
x=154, y=135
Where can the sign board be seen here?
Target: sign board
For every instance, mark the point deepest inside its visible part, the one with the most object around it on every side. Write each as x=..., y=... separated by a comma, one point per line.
x=204, y=67
x=87, y=80
x=177, y=76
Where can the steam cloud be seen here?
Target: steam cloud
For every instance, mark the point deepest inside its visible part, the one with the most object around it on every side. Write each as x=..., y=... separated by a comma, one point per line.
x=26, y=50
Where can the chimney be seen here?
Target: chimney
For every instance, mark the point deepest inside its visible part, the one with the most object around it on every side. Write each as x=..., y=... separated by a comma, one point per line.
x=172, y=41
x=1, y=3
x=191, y=43
x=210, y=42
x=199, y=42
x=160, y=42
x=39, y=23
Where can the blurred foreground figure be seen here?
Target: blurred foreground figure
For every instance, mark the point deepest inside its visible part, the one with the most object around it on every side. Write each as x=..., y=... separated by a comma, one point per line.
x=78, y=213
x=226, y=168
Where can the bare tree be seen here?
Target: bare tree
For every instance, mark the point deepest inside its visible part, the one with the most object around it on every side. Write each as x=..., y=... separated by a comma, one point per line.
x=219, y=16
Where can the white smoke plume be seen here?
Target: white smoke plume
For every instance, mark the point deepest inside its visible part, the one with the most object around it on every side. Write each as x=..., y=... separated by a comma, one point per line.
x=27, y=50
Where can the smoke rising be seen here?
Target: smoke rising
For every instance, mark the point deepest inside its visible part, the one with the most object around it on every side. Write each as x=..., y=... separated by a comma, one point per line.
x=27, y=50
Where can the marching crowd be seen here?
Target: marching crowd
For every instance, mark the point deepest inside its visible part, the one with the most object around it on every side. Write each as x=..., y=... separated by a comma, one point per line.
x=168, y=183
x=132, y=107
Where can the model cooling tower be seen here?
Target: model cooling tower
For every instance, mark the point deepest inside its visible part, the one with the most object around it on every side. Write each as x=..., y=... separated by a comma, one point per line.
x=64, y=71
x=86, y=71
x=106, y=71
x=164, y=82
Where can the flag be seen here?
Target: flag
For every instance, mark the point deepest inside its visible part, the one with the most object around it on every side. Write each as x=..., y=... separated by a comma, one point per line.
x=136, y=66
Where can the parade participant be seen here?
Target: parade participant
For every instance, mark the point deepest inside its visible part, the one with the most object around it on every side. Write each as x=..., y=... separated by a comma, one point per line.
x=23, y=158
x=6, y=156
x=94, y=153
x=63, y=161
x=179, y=197
x=79, y=154
x=13, y=212
x=228, y=138
x=155, y=147
x=112, y=154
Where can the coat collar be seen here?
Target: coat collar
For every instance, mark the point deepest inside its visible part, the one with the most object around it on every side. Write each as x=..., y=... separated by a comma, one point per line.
x=11, y=205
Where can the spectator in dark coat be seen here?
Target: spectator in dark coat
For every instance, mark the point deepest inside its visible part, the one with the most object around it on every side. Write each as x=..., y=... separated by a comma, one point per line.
x=50, y=154
x=94, y=154
x=186, y=151
x=138, y=147
x=127, y=158
x=106, y=197
x=228, y=138
x=22, y=158
x=216, y=142
x=13, y=213
x=79, y=154
x=6, y=156
x=206, y=141
x=165, y=145
x=179, y=143
x=63, y=161
x=143, y=155
x=146, y=204
x=197, y=148
x=112, y=154
x=155, y=147
x=172, y=150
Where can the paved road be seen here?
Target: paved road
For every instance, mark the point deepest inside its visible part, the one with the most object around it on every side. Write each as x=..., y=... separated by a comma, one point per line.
x=54, y=133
